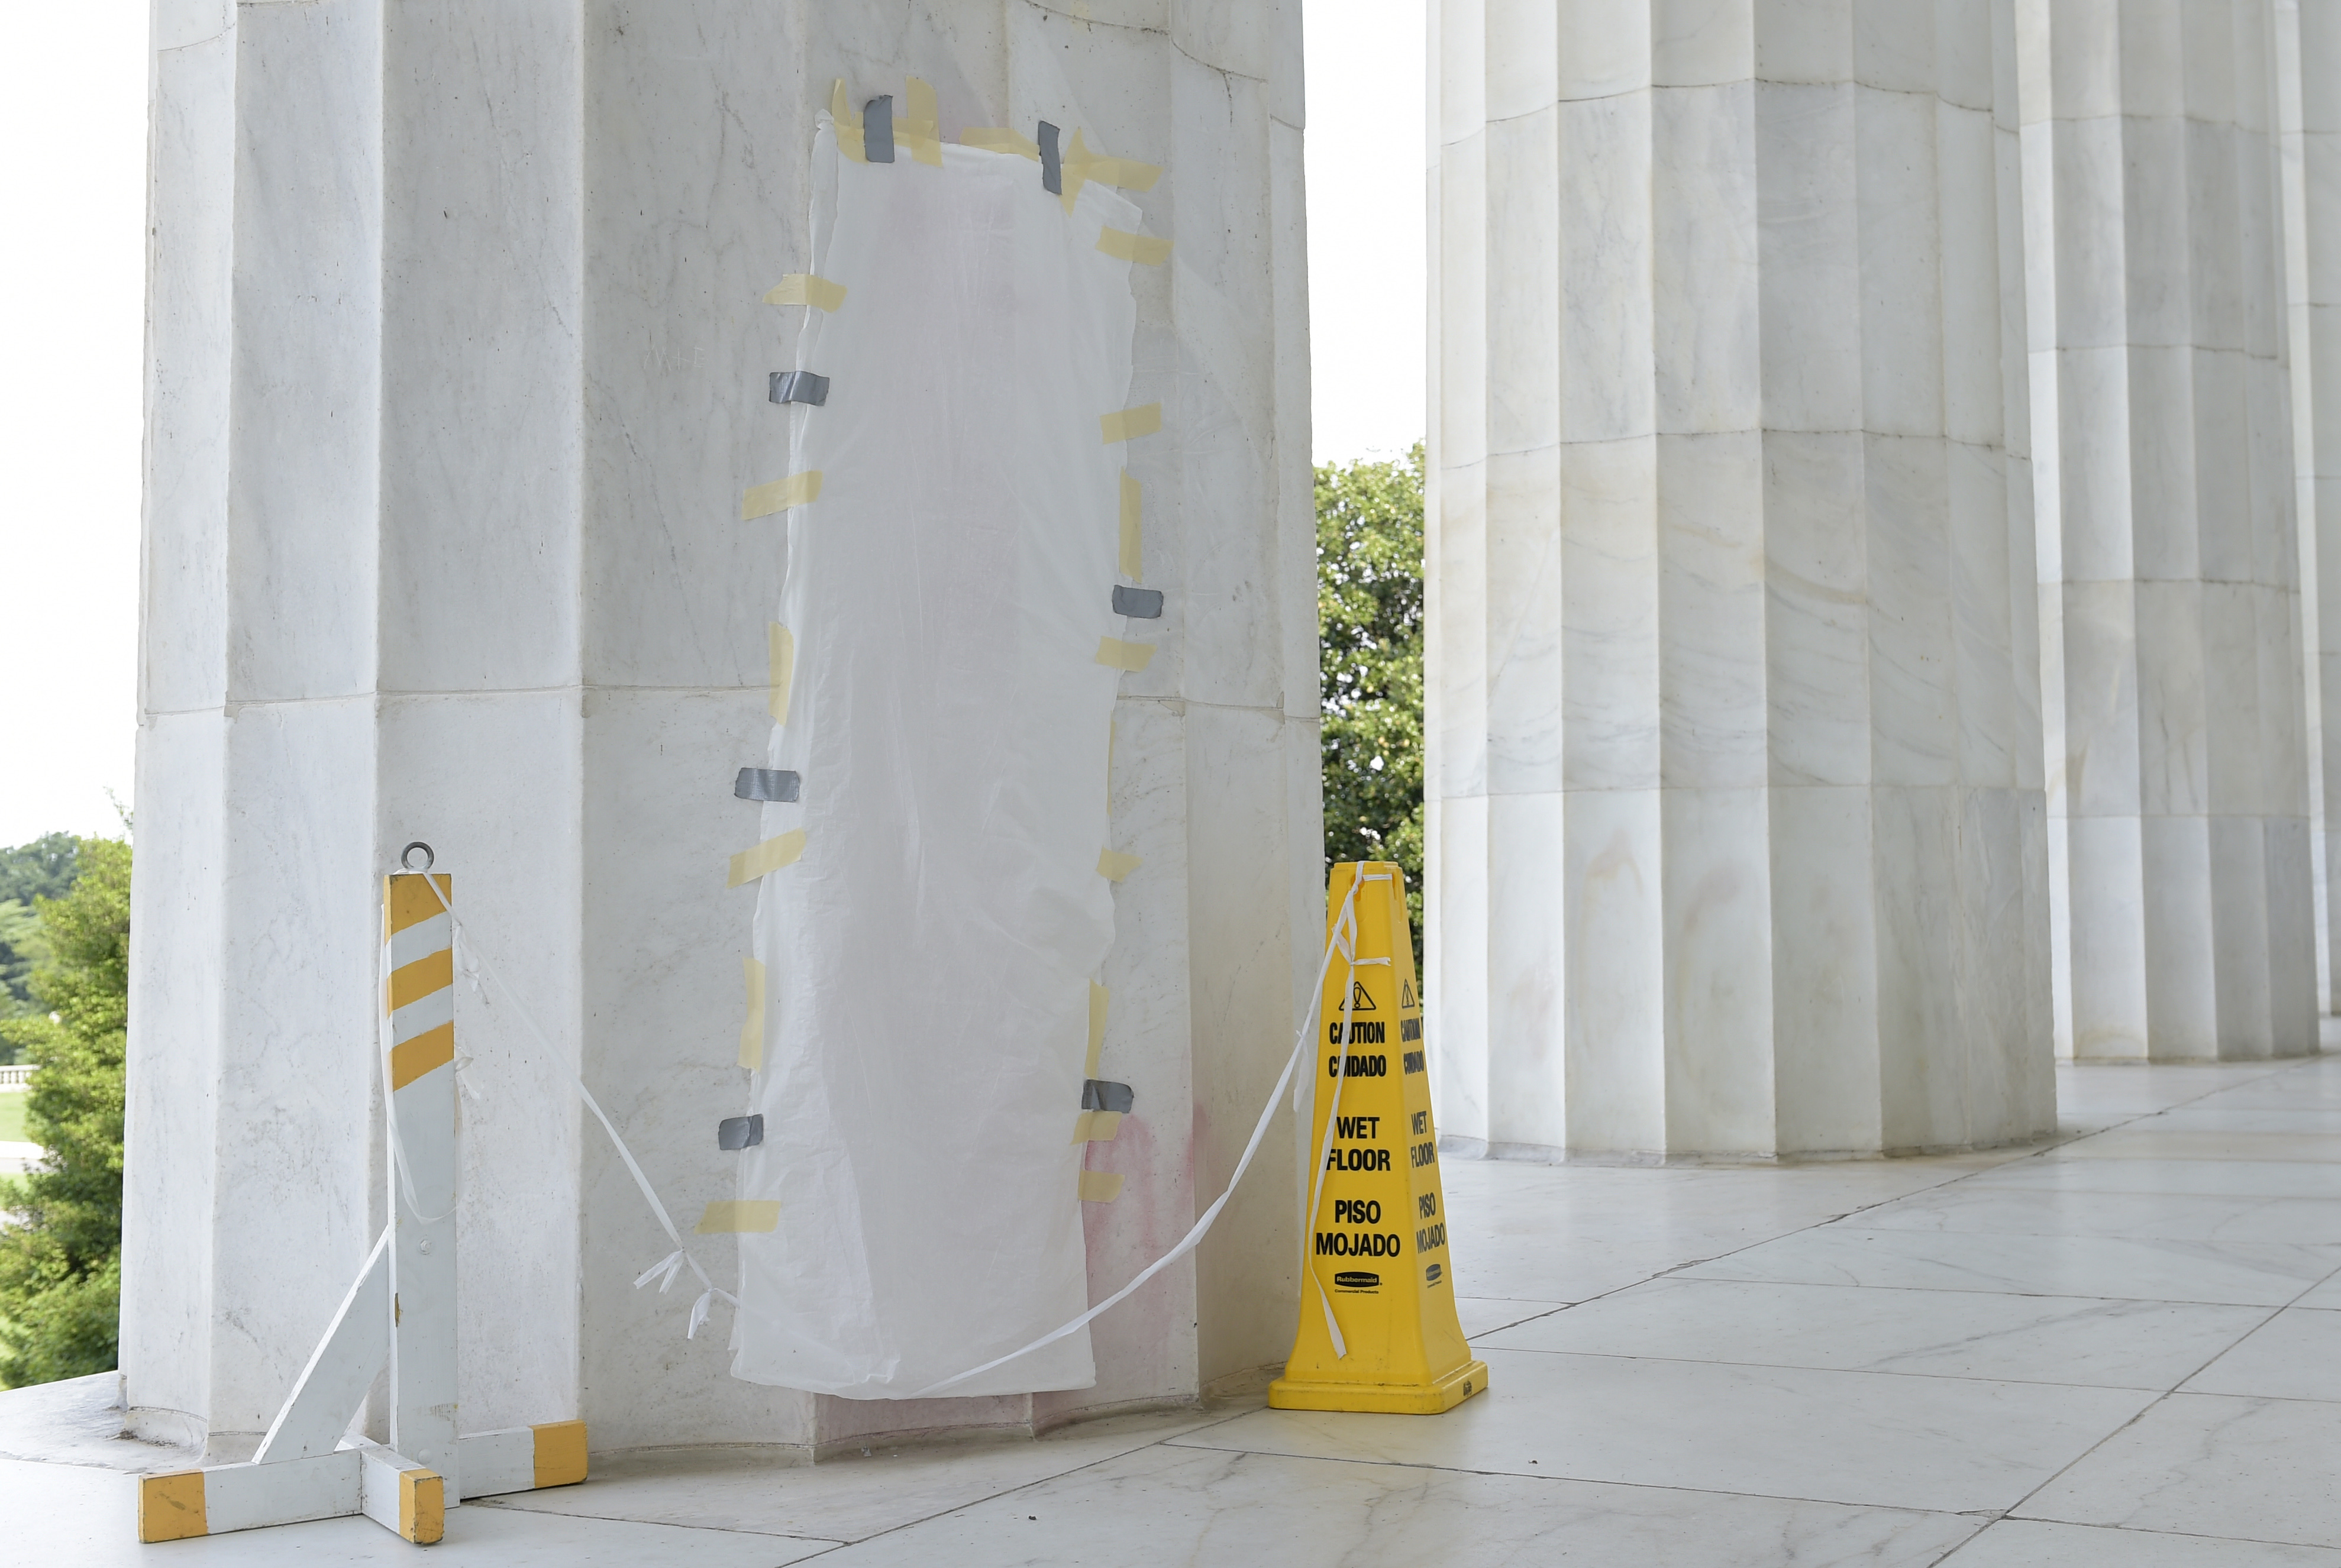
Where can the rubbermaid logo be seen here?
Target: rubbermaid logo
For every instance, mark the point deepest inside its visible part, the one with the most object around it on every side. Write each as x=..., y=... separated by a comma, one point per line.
x=1358, y=1279
x=1431, y=1274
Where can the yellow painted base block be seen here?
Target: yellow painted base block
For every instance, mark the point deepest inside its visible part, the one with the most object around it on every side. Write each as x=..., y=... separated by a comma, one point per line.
x=559, y=1452
x=171, y=1507
x=422, y=1507
x=1384, y=1398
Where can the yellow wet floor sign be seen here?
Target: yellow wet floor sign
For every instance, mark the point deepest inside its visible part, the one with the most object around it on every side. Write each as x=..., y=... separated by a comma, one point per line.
x=1378, y=1323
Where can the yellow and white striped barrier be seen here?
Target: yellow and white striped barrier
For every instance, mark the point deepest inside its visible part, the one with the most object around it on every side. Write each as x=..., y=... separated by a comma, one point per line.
x=400, y=1311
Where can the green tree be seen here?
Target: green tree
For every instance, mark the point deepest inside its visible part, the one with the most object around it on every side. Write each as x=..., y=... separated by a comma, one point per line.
x=1370, y=630
x=43, y=868
x=61, y=1251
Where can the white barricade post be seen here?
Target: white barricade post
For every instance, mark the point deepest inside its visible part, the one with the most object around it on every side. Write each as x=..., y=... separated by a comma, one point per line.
x=400, y=1311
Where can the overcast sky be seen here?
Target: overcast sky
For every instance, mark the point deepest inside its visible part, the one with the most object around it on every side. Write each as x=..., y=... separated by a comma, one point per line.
x=72, y=150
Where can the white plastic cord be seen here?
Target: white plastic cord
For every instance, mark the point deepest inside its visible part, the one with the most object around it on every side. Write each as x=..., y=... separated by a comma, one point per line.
x=474, y=963
x=1187, y=1243
x=1344, y=937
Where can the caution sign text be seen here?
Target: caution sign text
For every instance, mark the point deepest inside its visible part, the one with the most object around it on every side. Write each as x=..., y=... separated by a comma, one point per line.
x=1378, y=1323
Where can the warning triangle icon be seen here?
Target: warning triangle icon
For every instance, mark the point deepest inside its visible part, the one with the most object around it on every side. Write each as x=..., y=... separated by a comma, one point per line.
x=1359, y=1001
x=1406, y=994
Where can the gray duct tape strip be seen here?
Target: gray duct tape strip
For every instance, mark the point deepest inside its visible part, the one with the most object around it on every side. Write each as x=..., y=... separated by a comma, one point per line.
x=1053, y=168
x=1145, y=603
x=739, y=1132
x=877, y=130
x=1097, y=1095
x=766, y=784
x=800, y=386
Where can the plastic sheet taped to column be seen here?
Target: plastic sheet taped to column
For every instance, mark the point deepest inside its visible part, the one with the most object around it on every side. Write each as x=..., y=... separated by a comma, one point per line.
x=930, y=948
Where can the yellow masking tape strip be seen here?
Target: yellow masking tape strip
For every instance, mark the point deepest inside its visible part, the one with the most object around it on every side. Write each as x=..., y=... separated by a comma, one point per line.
x=1130, y=424
x=1101, y=1186
x=784, y=669
x=412, y=902
x=1123, y=246
x=751, y=1033
x=559, y=1452
x=1129, y=530
x=426, y=1052
x=806, y=289
x=1130, y=496
x=1099, y=997
x=1081, y=166
x=1116, y=654
x=422, y=1507
x=431, y=972
x=999, y=139
x=1113, y=865
x=1128, y=173
x=1096, y=1127
x=918, y=128
x=797, y=490
x=742, y=1216
x=171, y=1507
x=848, y=121
x=767, y=857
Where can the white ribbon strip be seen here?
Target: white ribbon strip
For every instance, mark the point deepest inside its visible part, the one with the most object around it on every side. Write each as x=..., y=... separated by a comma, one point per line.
x=1187, y=1245
x=473, y=964
x=1344, y=937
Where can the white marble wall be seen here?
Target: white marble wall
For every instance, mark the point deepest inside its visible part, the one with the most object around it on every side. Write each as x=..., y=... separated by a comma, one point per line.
x=457, y=371
x=2169, y=565
x=1737, y=844
x=2308, y=117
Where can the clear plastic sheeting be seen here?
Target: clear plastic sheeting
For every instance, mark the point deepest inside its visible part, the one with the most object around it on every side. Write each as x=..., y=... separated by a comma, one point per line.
x=929, y=952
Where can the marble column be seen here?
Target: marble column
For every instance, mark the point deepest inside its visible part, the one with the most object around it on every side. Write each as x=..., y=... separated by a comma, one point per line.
x=1738, y=845
x=2308, y=117
x=457, y=371
x=2169, y=565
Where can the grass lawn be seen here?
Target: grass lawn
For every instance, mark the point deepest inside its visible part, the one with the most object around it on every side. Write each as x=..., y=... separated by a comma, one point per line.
x=12, y=1116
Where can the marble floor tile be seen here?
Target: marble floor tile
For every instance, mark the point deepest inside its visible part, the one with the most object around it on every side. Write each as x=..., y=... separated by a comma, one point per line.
x=1571, y=1233
x=72, y=1516
x=2238, y=1274
x=2210, y=1464
x=2028, y=1543
x=1867, y=1438
x=1576, y=1267
x=79, y=1421
x=2137, y=1344
x=1484, y=1314
x=2325, y=1297
x=2169, y=1217
x=2276, y=1095
x=2296, y=1355
x=2230, y=1118
x=2295, y=1082
x=1785, y=1195
x=2138, y=1140
x=2214, y=1178
x=1235, y=1510
x=842, y=1499
x=2087, y=1093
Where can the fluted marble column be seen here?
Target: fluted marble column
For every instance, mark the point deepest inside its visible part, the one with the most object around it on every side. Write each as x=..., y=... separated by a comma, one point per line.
x=1738, y=845
x=2309, y=115
x=2169, y=572
x=457, y=372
